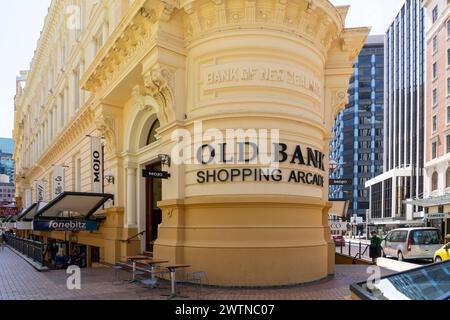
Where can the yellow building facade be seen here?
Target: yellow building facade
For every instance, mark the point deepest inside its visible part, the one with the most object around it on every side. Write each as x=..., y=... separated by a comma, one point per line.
x=147, y=75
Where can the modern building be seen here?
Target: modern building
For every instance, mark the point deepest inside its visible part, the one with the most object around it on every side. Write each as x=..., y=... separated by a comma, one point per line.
x=156, y=84
x=357, y=146
x=437, y=151
x=404, y=126
x=6, y=192
x=6, y=158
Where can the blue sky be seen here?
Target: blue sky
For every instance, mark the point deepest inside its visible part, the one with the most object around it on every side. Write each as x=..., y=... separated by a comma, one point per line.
x=21, y=23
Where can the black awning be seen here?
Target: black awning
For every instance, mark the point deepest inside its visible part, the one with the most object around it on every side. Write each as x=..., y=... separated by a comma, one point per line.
x=11, y=219
x=29, y=213
x=73, y=205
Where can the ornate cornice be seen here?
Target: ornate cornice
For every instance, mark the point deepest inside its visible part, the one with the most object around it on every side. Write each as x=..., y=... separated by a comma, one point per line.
x=42, y=50
x=133, y=33
x=317, y=21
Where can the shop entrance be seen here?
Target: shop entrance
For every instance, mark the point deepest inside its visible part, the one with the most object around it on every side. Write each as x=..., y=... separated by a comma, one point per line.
x=153, y=214
x=78, y=256
x=57, y=254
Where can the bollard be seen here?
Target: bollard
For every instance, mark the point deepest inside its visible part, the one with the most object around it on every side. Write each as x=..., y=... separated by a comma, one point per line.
x=360, y=248
x=350, y=249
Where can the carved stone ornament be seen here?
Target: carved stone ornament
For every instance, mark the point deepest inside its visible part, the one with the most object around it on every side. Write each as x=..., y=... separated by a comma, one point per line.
x=143, y=100
x=160, y=84
x=340, y=100
x=107, y=127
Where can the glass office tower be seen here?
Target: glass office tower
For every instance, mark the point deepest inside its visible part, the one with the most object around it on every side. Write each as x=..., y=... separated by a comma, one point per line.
x=357, y=147
x=402, y=179
x=6, y=158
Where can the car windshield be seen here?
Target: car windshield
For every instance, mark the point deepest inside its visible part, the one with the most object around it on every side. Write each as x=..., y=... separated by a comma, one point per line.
x=425, y=237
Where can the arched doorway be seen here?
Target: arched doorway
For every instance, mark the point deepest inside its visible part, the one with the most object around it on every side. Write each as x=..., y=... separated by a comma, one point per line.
x=153, y=194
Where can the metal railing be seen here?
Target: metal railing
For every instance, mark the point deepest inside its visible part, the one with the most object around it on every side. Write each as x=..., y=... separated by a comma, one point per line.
x=32, y=249
x=349, y=250
x=134, y=237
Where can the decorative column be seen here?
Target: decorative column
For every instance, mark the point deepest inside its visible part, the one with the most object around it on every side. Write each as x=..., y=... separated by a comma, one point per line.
x=131, y=196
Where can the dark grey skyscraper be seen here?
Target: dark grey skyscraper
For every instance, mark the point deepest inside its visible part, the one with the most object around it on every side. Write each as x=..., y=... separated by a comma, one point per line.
x=402, y=178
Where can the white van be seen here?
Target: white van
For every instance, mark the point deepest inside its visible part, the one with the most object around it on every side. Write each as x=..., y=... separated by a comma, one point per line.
x=412, y=243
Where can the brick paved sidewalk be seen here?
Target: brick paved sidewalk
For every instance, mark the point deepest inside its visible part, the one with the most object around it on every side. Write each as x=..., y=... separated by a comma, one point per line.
x=20, y=281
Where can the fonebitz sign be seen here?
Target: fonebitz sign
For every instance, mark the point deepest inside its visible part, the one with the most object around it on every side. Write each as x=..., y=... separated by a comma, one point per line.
x=74, y=225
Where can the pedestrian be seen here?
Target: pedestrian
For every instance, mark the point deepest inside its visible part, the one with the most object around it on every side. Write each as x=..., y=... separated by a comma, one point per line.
x=375, y=247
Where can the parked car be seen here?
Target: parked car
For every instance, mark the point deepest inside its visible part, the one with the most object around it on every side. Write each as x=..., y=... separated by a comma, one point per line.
x=339, y=241
x=412, y=243
x=442, y=254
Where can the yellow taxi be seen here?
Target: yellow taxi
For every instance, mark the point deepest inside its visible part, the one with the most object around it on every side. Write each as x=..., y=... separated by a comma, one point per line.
x=443, y=253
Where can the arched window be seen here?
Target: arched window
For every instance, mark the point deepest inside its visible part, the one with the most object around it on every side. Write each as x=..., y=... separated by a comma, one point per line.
x=447, y=178
x=434, y=181
x=152, y=133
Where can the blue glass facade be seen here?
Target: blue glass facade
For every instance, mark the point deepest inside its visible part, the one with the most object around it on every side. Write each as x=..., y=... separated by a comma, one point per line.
x=6, y=158
x=357, y=147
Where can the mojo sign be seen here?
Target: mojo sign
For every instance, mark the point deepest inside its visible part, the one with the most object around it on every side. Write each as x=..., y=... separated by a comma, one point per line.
x=97, y=164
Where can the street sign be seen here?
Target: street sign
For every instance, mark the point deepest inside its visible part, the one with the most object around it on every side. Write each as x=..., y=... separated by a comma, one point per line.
x=341, y=182
x=338, y=226
x=356, y=220
x=155, y=174
x=435, y=216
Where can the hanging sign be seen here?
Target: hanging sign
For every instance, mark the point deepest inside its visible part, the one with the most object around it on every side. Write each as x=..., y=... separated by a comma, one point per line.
x=27, y=198
x=155, y=174
x=40, y=191
x=58, y=180
x=97, y=164
x=341, y=182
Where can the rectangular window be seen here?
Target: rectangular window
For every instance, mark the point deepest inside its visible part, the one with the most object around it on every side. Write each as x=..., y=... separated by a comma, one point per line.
x=61, y=111
x=98, y=40
x=63, y=56
x=448, y=115
x=448, y=143
x=448, y=57
x=435, y=13
x=434, y=150
x=448, y=86
x=435, y=97
x=78, y=175
x=448, y=28
x=435, y=44
x=435, y=70
x=76, y=90
x=434, y=124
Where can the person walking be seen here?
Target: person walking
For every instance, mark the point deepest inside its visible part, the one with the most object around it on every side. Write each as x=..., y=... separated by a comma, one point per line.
x=375, y=247
x=2, y=240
